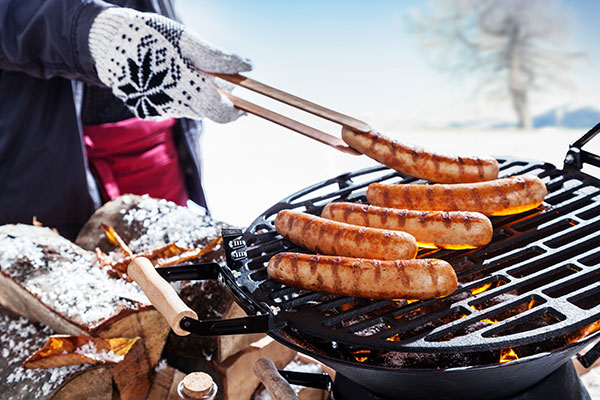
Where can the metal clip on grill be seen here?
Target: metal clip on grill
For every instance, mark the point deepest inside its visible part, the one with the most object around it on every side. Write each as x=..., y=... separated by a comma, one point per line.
x=179, y=316
x=576, y=156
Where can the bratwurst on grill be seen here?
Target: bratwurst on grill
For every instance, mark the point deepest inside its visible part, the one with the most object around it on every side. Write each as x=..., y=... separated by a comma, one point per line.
x=372, y=279
x=446, y=229
x=420, y=163
x=336, y=238
x=504, y=196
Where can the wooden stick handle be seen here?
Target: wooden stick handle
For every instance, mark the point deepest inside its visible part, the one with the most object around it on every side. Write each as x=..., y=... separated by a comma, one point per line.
x=276, y=385
x=162, y=295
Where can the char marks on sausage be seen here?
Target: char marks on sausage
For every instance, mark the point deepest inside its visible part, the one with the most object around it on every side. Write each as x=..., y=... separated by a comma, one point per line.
x=452, y=229
x=326, y=236
x=420, y=163
x=374, y=279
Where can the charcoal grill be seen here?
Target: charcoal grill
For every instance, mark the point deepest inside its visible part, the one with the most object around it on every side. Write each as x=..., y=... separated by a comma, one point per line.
x=534, y=290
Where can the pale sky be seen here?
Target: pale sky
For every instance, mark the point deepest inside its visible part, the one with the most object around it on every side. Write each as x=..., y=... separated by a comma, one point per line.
x=361, y=57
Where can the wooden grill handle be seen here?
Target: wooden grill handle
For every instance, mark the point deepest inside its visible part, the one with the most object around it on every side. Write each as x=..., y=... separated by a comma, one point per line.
x=162, y=295
x=276, y=385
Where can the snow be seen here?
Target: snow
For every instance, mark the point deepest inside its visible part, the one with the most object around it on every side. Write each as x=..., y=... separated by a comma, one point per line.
x=162, y=364
x=70, y=281
x=90, y=350
x=164, y=222
x=14, y=352
x=591, y=380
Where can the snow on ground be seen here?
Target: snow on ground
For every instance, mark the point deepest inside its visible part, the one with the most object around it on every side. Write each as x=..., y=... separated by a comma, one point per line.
x=591, y=380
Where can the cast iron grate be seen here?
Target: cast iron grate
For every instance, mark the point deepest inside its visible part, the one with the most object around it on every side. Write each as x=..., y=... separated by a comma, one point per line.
x=538, y=279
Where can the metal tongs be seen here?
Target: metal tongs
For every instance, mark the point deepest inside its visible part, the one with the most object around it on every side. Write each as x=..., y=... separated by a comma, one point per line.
x=299, y=103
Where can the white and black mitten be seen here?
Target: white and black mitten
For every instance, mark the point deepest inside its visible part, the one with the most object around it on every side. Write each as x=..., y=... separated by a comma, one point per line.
x=152, y=63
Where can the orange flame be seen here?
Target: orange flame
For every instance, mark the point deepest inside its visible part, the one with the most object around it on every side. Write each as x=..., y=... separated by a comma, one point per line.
x=508, y=355
x=491, y=321
x=362, y=355
x=347, y=306
x=532, y=303
x=516, y=209
x=395, y=338
x=583, y=332
x=480, y=289
x=114, y=238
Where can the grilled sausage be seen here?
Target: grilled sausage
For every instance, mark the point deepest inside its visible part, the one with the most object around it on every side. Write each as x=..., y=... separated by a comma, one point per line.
x=419, y=163
x=359, y=277
x=446, y=229
x=498, y=197
x=336, y=238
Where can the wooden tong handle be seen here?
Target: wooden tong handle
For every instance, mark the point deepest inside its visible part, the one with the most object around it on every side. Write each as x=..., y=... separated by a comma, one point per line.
x=296, y=101
x=162, y=295
x=276, y=385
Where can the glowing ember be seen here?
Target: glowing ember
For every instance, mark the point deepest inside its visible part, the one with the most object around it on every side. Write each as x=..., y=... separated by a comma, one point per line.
x=490, y=321
x=362, y=355
x=508, y=355
x=583, y=332
x=480, y=289
x=395, y=338
x=425, y=245
x=347, y=306
x=516, y=210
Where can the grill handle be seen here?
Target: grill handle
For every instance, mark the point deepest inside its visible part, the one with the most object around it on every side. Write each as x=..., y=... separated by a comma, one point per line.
x=182, y=319
x=308, y=379
x=590, y=357
x=576, y=156
x=162, y=295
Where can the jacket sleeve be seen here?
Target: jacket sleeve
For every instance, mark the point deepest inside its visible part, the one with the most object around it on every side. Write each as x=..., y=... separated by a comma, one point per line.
x=49, y=38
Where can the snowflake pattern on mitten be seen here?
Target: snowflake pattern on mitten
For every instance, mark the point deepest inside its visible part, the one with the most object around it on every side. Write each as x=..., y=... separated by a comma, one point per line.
x=139, y=56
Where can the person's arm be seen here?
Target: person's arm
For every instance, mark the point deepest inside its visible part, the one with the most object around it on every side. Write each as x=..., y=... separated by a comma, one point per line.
x=49, y=38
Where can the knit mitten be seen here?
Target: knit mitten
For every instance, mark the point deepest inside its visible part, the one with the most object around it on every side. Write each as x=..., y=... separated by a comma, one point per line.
x=154, y=65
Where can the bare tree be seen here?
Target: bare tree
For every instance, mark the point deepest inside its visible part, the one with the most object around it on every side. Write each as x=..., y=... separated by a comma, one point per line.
x=513, y=46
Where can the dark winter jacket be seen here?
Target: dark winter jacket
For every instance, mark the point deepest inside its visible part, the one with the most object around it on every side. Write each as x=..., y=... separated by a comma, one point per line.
x=44, y=63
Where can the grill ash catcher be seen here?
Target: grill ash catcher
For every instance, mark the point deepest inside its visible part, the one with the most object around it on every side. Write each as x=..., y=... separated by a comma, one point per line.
x=526, y=303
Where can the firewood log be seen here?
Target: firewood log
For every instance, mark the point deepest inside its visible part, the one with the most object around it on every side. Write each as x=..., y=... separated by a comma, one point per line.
x=145, y=223
x=20, y=338
x=48, y=279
